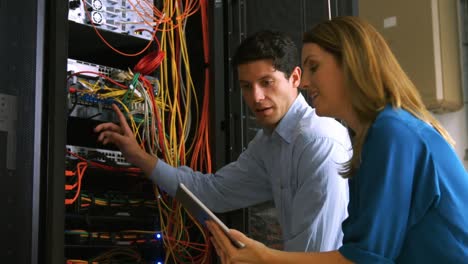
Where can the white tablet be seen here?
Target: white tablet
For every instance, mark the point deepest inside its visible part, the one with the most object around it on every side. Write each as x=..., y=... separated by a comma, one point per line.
x=198, y=210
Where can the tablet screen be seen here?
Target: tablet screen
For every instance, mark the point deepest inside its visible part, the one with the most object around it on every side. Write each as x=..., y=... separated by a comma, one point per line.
x=200, y=212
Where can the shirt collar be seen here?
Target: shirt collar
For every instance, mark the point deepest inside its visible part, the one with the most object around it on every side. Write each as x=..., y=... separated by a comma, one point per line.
x=287, y=125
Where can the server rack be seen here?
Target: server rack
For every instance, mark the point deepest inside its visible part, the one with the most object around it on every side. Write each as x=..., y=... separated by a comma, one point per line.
x=35, y=73
x=116, y=215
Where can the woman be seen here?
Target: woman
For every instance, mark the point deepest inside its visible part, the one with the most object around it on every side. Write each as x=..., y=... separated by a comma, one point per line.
x=408, y=189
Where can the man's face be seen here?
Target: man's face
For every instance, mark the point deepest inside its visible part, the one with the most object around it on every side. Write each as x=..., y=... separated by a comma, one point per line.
x=266, y=91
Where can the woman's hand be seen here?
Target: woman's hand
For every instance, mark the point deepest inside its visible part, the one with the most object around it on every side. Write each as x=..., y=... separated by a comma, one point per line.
x=253, y=252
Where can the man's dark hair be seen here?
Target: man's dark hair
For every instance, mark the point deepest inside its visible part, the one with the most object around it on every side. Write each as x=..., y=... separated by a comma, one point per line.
x=269, y=45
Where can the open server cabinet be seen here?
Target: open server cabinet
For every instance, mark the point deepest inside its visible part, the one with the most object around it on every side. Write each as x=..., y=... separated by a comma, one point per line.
x=69, y=198
x=52, y=68
x=151, y=60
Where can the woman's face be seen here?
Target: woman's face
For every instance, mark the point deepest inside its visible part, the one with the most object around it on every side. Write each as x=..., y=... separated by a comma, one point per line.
x=324, y=80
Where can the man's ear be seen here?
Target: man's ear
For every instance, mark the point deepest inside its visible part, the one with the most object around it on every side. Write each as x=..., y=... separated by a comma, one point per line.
x=295, y=77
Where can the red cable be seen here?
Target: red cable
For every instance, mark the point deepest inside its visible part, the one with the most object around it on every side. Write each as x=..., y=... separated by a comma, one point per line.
x=149, y=63
x=80, y=168
x=202, y=153
x=133, y=170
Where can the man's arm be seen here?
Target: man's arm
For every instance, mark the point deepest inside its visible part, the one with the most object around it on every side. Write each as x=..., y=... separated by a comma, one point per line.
x=237, y=185
x=320, y=202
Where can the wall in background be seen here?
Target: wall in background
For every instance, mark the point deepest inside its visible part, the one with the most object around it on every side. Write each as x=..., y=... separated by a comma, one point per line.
x=457, y=125
x=457, y=122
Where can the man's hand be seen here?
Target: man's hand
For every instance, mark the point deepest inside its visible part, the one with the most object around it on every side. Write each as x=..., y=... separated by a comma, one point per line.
x=123, y=137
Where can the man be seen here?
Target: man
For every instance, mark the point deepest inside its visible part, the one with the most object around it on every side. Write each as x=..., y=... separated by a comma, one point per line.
x=294, y=160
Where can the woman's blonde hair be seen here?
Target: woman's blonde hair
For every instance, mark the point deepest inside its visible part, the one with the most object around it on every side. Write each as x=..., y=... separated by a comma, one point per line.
x=372, y=74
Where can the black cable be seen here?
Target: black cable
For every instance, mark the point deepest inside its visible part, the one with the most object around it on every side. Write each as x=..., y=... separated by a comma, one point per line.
x=74, y=104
